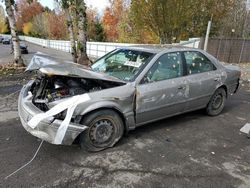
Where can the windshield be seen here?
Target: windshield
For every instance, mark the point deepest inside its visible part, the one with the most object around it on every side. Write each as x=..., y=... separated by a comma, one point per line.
x=124, y=64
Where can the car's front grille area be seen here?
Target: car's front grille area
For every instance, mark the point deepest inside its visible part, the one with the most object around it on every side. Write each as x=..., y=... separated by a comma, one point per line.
x=23, y=113
x=42, y=106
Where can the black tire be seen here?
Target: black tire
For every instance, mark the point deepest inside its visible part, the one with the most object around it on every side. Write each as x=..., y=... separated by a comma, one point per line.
x=217, y=102
x=105, y=130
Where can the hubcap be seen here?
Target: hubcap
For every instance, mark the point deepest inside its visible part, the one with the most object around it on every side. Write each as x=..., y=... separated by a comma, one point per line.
x=102, y=131
x=217, y=102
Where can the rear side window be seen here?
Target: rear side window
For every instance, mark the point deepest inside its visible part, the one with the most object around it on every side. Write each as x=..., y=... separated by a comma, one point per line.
x=198, y=63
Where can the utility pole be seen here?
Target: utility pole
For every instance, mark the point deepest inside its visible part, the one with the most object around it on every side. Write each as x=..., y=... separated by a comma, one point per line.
x=245, y=22
x=208, y=32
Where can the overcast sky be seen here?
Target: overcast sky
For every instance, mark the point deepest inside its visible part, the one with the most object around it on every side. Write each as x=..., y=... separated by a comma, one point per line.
x=99, y=4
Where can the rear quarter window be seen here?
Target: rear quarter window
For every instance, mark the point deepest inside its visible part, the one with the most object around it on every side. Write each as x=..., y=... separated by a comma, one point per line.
x=197, y=63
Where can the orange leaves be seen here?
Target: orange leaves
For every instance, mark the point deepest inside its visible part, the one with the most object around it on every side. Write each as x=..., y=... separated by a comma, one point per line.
x=112, y=17
x=26, y=12
x=57, y=26
x=110, y=22
x=33, y=19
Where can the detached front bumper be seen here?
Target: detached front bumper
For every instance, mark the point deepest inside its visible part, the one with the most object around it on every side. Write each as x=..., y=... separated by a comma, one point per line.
x=46, y=129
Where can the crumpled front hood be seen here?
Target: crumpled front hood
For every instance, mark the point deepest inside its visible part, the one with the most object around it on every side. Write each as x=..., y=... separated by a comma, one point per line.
x=52, y=66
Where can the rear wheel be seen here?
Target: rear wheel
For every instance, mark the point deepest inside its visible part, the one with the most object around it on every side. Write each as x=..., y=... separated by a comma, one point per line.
x=217, y=102
x=105, y=130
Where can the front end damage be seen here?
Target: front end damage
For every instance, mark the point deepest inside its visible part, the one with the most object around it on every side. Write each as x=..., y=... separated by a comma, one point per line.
x=47, y=129
x=48, y=90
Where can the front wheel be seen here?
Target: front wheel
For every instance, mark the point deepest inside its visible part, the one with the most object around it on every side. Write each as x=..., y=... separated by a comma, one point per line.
x=105, y=129
x=217, y=102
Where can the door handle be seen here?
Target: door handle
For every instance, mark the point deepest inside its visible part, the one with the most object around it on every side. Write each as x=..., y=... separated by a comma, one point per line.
x=152, y=99
x=181, y=87
x=217, y=79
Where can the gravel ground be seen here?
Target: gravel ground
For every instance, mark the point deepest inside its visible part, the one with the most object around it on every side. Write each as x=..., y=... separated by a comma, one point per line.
x=190, y=150
x=245, y=71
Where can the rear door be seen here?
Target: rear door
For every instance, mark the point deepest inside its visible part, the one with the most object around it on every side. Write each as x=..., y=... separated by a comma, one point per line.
x=203, y=78
x=163, y=90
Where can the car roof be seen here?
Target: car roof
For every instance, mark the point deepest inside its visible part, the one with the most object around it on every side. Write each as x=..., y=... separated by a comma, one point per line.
x=157, y=48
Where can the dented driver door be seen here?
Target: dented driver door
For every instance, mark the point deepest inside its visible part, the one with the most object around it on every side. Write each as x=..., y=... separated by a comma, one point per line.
x=164, y=91
x=160, y=99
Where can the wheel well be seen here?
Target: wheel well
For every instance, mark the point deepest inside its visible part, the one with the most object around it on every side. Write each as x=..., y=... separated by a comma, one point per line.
x=76, y=141
x=225, y=88
x=110, y=108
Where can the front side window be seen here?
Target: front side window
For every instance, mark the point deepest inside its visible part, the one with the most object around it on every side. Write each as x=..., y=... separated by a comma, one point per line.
x=168, y=66
x=124, y=64
x=198, y=63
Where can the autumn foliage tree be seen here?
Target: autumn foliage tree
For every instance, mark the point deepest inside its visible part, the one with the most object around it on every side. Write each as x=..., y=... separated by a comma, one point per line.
x=26, y=11
x=111, y=18
x=236, y=19
x=129, y=21
x=110, y=25
x=175, y=20
x=3, y=21
x=40, y=25
x=95, y=30
x=57, y=26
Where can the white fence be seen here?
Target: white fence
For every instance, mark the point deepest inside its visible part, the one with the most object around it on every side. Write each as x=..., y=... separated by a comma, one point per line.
x=95, y=49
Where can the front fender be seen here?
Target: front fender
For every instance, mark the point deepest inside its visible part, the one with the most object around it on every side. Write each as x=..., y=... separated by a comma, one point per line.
x=125, y=109
x=99, y=105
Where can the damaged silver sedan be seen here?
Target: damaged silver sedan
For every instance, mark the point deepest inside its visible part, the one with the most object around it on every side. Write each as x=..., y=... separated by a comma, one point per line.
x=123, y=90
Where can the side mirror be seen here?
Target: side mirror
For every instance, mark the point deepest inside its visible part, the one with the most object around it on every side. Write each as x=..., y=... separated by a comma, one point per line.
x=145, y=80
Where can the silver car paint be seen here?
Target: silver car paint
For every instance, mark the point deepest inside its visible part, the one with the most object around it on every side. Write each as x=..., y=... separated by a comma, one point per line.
x=142, y=103
x=47, y=128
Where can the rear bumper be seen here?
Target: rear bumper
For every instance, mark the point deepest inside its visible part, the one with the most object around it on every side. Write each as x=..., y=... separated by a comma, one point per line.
x=232, y=86
x=237, y=86
x=46, y=129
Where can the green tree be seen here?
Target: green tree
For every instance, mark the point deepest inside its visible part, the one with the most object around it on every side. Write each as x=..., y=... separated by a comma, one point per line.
x=95, y=29
x=40, y=25
x=237, y=19
x=174, y=20
x=99, y=32
x=130, y=32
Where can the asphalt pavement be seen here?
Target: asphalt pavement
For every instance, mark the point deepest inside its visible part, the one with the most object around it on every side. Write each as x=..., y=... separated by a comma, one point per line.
x=190, y=150
x=6, y=56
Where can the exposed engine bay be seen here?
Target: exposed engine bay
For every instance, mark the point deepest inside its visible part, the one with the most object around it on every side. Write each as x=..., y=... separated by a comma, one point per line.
x=46, y=89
